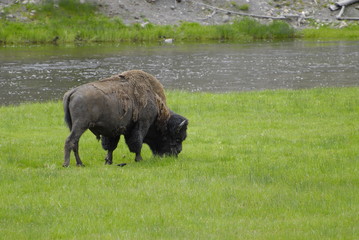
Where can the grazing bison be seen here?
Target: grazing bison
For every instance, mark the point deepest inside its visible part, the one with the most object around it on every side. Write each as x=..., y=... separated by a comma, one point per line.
x=132, y=104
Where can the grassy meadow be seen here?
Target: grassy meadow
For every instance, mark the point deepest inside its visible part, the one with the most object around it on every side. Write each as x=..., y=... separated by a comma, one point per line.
x=256, y=165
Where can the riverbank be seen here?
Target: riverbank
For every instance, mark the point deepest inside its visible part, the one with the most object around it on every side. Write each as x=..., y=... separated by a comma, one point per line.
x=77, y=22
x=207, y=12
x=73, y=22
x=283, y=166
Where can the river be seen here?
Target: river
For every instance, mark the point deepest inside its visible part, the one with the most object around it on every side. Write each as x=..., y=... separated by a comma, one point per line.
x=42, y=73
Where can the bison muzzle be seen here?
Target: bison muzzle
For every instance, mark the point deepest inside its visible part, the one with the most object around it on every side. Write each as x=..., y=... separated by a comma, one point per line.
x=132, y=104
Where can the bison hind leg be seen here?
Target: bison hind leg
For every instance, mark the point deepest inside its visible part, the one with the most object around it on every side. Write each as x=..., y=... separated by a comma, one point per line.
x=72, y=143
x=109, y=144
x=79, y=163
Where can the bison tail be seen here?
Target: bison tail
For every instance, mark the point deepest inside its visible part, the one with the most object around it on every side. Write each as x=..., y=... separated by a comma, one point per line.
x=66, y=102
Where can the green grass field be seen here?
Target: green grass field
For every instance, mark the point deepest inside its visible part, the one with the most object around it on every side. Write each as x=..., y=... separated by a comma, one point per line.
x=256, y=165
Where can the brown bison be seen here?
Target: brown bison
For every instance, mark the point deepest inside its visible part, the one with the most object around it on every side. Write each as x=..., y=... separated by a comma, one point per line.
x=132, y=104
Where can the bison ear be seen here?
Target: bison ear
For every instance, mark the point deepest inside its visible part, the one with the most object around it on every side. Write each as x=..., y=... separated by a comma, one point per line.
x=183, y=124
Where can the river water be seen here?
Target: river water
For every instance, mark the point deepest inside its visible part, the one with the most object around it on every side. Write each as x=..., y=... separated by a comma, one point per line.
x=41, y=73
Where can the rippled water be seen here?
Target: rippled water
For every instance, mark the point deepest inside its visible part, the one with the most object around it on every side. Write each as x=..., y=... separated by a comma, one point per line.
x=40, y=73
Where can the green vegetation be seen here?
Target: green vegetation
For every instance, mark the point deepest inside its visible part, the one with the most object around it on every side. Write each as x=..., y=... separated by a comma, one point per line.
x=242, y=7
x=256, y=165
x=75, y=22
x=349, y=33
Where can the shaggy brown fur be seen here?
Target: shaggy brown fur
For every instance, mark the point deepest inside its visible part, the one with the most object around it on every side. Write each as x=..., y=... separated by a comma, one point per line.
x=138, y=84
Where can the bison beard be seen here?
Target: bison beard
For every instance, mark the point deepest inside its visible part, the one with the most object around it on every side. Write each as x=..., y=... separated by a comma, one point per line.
x=132, y=104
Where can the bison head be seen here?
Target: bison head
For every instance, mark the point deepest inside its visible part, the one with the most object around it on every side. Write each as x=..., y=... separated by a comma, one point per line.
x=169, y=142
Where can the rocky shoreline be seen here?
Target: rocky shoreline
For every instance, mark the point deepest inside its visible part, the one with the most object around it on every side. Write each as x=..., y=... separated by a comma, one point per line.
x=208, y=12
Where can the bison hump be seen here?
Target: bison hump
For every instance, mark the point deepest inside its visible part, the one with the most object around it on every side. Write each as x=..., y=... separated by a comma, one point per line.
x=141, y=79
x=138, y=87
x=145, y=84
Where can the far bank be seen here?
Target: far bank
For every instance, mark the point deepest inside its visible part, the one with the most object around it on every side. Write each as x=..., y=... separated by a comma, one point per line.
x=73, y=22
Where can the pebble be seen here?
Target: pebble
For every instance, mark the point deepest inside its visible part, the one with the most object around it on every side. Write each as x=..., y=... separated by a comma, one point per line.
x=226, y=18
x=144, y=24
x=168, y=40
x=343, y=24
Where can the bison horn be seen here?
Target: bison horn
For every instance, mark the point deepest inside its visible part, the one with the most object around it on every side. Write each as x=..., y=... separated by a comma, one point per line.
x=180, y=126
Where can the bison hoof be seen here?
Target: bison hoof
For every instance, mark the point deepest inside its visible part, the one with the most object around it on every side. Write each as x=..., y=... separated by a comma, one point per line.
x=108, y=163
x=80, y=165
x=65, y=165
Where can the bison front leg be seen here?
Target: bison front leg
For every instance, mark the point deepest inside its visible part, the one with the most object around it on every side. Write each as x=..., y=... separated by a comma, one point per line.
x=108, y=158
x=109, y=144
x=134, y=143
x=134, y=140
x=138, y=157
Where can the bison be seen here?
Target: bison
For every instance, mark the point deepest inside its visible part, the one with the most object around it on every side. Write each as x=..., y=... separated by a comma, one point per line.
x=132, y=104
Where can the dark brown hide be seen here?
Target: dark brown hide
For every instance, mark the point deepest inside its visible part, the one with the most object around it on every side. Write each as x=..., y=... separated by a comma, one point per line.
x=129, y=104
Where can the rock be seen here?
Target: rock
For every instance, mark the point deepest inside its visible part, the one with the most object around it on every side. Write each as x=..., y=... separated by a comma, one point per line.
x=305, y=13
x=168, y=40
x=144, y=24
x=343, y=25
x=226, y=18
x=29, y=1
x=23, y=19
